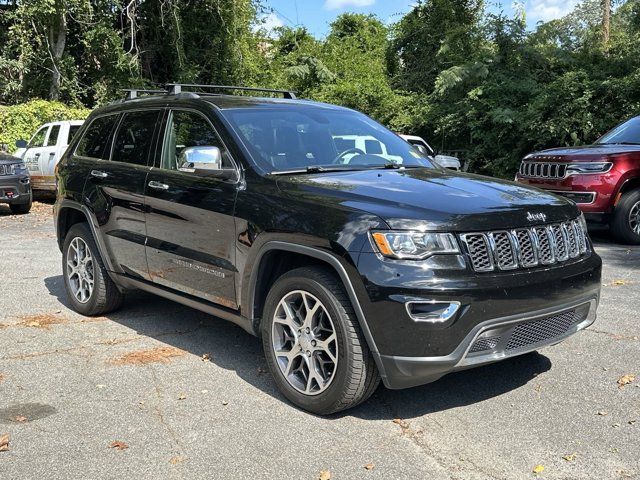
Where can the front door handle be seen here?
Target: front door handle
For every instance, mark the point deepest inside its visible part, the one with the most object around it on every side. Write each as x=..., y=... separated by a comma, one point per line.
x=158, y=186
x=99, y=174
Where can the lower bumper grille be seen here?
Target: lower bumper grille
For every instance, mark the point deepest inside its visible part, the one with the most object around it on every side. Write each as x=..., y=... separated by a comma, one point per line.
x=506, y=339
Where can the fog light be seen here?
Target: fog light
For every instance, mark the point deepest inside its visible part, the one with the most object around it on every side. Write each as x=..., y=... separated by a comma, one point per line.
x=432, y=311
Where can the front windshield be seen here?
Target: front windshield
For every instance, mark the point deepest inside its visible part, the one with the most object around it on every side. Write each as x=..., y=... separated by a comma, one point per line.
x=627, y=133
x=286, y=138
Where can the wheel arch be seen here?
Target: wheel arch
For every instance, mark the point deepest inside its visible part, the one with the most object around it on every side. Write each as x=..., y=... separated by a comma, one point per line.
x=263, y=275
x=68, y=214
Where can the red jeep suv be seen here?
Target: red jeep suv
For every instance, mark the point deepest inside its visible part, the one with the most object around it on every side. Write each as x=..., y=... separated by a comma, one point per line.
x=603, y=179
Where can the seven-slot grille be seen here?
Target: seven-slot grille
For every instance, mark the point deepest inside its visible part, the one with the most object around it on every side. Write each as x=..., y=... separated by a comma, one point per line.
x=525, y=247
x=543, y=170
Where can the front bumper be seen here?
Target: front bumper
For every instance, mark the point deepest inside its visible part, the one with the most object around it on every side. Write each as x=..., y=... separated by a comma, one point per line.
x=492, y=341
x=15, y=189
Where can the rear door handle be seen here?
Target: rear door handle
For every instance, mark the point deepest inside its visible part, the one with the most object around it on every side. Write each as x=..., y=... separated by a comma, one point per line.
x=99, y=174
x=158, y=186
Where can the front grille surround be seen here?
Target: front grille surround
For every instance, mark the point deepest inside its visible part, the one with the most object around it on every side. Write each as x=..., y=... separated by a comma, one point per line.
x=543, y=170
x=525, y=247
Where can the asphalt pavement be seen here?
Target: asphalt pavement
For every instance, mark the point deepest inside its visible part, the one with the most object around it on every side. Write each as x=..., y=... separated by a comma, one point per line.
x=161, y=391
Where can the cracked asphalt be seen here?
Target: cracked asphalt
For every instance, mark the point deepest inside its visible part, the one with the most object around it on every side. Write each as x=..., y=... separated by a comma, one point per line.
x=186, y=395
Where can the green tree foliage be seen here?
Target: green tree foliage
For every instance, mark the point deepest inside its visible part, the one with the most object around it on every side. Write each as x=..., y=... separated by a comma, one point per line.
x=21, y=121
x=478, y=84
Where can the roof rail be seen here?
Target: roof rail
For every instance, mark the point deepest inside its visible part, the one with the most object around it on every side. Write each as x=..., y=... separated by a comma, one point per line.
x=133, y=93
x=176, y=88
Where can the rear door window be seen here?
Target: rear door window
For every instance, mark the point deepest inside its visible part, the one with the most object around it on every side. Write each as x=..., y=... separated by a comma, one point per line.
x=73, y=129
x=134, y=138
x=96, y=141
x=52, y=139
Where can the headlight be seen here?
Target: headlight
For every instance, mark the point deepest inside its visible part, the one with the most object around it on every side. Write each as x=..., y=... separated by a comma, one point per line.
x=18, y=168
x=588, y=167
x=414, y=245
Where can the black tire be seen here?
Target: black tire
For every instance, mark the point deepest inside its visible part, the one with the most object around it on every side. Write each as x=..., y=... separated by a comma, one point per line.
x=356, y=376
x=21, y=208
x=621, y=227
x=105, y=296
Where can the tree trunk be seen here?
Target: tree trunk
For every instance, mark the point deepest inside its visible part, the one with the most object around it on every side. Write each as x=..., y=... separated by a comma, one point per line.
x=57, y=41
x=606, y=23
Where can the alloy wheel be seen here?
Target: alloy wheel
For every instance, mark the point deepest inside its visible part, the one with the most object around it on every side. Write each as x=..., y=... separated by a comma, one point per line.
x=80, y=270
x=304, y=342
x=634, y=218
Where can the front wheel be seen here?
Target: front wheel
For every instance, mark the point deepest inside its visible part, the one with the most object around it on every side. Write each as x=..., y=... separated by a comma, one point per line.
x=626, y=218
x=313, y=343
x=21, y=208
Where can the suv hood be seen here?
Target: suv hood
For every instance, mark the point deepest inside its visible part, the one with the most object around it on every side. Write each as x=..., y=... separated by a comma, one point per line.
x=5, y=158
x=586, y=153
x=431, y=199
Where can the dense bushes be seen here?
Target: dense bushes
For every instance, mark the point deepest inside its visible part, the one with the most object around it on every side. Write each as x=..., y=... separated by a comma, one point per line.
x=21, y=121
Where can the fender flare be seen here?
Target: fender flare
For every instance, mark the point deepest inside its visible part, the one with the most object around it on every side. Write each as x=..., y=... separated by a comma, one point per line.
x=93, y=225
x=342, y=274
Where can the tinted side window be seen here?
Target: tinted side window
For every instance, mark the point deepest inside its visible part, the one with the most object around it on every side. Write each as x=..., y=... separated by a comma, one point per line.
x=53, y=136
x=95, y=142
x=188, y=129
x=38, y=138
x=134, y=137
x=73, y=129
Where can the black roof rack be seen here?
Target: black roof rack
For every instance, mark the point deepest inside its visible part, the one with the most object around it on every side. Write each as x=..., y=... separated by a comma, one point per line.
x=135, y=92
x=175, y=88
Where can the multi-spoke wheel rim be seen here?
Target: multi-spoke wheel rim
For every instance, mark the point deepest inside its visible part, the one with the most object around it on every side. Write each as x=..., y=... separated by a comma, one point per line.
x=634, y=218
x=80, y=270
x=304, y=342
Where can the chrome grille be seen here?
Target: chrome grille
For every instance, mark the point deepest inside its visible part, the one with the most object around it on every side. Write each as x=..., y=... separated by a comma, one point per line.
x=525, y=247
x=536, y=331
x=4, y=170
x=543, y=170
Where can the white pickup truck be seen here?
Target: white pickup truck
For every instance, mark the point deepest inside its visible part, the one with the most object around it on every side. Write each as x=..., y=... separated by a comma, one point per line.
x=445, y=161
x=44, y=150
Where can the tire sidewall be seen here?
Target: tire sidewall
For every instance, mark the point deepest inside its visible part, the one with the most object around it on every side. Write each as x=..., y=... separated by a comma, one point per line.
x=82, y=231
x=622, y=229
x=325, y=400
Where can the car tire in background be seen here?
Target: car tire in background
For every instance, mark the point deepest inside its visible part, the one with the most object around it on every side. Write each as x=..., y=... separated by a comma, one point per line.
x=313, y=343
x=625, y=225
x=89, y=287
x=21, y=208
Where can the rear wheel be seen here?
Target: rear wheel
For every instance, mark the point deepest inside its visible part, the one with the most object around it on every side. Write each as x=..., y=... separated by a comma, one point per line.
x=626, y=218
x=89, y=287
x=314, y=347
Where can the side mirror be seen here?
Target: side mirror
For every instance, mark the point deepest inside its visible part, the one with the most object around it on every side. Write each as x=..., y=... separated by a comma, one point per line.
x=205, y=161
x=21, y=143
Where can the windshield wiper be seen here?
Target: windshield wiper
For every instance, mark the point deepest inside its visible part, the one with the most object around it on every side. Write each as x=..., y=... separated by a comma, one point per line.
x=318, y=169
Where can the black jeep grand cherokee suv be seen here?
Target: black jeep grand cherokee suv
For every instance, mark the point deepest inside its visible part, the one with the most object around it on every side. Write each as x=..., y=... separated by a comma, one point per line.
x=353, y=256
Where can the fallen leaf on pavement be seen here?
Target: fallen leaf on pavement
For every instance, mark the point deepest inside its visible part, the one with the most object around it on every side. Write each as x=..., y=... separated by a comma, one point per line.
x=206, y=357
x=619, y=283
x=625, y=380
x=182, y=396
x=632, y=422
x=369, y=466
x=570, y=457
x=325, y=475
x=175, y=460
x=145, y=356
x=100, y=386
x=20, y=419
x=602, y=413
x=2, y=377
x=118, y=445
x=225, y=403
x=4, y=442
x=41, y=320
x=538, y=469
x=402, y=423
